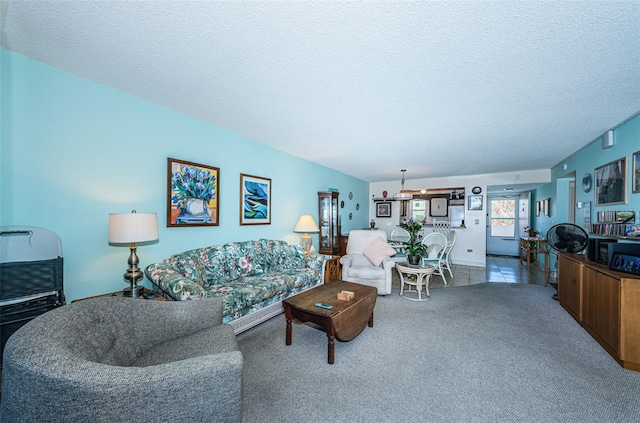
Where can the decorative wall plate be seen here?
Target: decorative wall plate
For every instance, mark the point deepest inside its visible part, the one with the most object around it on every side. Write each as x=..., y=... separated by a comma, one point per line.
x=350, y=196
x=350, y=216
x=358, y=206
x=476, y=190
x=342, y=204
x=586, y=182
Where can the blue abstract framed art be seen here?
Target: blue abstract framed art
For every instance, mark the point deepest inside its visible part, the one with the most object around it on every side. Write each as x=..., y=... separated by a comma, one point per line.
x=255, y=200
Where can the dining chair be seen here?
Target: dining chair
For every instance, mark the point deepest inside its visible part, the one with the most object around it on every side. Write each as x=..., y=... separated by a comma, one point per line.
x=436, y=244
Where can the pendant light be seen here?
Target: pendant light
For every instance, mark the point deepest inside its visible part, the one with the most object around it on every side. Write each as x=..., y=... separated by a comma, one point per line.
x=402, y=196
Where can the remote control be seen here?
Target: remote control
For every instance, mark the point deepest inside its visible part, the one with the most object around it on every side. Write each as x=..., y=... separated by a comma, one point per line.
x=328, y=307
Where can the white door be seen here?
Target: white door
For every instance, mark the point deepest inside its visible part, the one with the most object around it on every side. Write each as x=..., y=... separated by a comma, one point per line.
x=502, y=230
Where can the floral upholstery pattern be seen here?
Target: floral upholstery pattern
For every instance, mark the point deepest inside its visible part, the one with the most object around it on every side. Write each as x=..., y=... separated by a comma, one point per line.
x=246, y=275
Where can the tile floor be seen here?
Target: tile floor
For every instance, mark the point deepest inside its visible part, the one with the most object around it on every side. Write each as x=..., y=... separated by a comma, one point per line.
x=499, y=269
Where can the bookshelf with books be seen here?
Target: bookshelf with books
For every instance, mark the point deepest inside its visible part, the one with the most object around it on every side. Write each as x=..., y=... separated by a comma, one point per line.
x=619, y=224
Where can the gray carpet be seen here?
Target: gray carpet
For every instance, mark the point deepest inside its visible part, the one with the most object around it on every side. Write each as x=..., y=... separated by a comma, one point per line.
x=483, y=353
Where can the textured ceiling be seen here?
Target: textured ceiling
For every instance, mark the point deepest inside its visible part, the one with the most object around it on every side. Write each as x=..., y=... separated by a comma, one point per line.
x=367, y=88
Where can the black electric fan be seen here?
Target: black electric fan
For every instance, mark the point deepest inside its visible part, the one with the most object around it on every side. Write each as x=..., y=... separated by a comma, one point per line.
x=567, y=238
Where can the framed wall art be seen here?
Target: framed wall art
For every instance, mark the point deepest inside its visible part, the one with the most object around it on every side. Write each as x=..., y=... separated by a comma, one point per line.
x=383, y=209
x=439, y=207
x=636, y=172
x=193, y=194
x=538, y=208
x=547, y=207
x=611, y=183
x=475, y=202
x=255, y=200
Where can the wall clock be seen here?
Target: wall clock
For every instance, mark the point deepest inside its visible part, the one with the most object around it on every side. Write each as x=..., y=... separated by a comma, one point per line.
x=586, y=182
x=476, y=190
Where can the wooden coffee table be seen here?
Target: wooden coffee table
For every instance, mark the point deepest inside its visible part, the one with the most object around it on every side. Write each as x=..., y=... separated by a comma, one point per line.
x=344, y=321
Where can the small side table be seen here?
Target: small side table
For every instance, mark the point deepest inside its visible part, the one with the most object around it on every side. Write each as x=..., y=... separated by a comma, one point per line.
x=530, y=246
x=332, y=269
x=147, y=294
x=423, y=276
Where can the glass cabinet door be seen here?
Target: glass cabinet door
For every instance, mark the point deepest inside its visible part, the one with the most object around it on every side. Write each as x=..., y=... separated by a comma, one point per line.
x=334, y=223
x=328, y=219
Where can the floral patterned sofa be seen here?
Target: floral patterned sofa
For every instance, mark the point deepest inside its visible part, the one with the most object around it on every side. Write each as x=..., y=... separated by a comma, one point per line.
x=251, y=277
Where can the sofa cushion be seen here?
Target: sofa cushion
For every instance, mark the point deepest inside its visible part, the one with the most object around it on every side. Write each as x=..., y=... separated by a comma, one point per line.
x=190, y=264
x=366, y=272
x=242, y=296
x=280, y=255
x=378, y=250
x=213, y=340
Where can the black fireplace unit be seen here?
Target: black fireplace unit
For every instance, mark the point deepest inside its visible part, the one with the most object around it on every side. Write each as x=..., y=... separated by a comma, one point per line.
x=31, y=276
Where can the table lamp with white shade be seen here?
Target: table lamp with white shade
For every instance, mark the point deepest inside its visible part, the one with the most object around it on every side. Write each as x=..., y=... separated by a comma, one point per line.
x=129, y=228
x=305, y=225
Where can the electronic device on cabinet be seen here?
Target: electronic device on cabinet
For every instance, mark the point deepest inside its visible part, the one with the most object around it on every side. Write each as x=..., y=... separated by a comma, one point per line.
x=599, y=250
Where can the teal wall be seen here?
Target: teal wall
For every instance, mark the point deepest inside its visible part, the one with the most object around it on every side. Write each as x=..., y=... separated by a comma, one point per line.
x=626, y=142
x=74, y=151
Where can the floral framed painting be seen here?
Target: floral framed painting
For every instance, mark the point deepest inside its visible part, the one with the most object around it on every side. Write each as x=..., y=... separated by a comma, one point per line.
x=636, y=172
x=194, y=194
x=255, y=200
x=611, y=183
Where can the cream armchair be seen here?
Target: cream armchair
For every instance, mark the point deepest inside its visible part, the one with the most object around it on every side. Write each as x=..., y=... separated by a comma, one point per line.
x=358, y=268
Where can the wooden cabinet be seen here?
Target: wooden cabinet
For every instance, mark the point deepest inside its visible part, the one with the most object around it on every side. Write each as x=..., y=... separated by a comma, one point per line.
x=605, y=302
x=601, y=307
x=328, y=218
x=343, y=240
x=569, y=286
x=332, y=269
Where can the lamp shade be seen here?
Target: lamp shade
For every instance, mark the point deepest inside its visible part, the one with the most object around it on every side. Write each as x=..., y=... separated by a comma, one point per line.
x=126, y=228
x=306, y=224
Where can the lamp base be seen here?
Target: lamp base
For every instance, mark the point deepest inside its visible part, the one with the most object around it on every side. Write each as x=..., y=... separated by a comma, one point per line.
x=305, y=242
x=133, y=291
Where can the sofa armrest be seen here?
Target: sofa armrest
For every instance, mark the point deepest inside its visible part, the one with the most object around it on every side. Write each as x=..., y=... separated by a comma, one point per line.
x=345, y=261
x=388, y=263
x=173, y=283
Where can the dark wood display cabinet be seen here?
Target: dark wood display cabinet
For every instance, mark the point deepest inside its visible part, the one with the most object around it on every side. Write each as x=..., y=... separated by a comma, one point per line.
x=328, y=218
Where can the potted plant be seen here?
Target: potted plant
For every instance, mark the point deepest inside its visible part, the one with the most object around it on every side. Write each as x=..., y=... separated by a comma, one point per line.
x=532, y=232
x=414, y=247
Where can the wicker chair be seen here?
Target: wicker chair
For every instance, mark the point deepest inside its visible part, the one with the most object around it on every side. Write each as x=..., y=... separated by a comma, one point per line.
x=436, y=244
